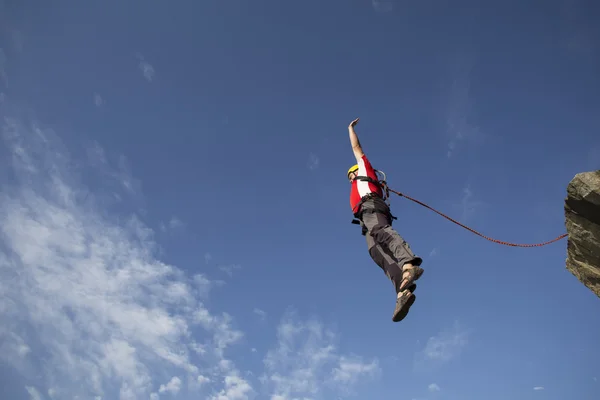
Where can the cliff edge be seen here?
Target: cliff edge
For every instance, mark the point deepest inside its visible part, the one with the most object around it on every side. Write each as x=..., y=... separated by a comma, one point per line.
x=582, y=219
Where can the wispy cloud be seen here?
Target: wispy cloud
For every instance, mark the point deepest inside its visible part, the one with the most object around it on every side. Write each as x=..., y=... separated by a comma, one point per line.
x=88, y=289
x=9, y=28
x=468, y=204
x=98, y=101
x=173, y=224
x=306, y=363
x=229, y=268
x=173, y=387
x=3, y=75
x=88, y=309
x=118, y=182
x=261, y=313
x=236, y=388
x=313, y=162
x=433, y=387
x=383, y=6
x=538, y=388
x=146, y=68
x=461, y=126
x=34, y=394
x=350, y=369
x=443, y=347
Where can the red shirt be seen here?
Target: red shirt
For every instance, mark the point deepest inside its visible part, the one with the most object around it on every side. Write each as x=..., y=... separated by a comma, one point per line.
x=362, y=188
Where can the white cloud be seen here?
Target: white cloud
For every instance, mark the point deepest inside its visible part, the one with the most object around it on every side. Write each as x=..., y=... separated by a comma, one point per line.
x=313, y=162
x=203, y=285
x=88, y=288
x=3, y=61
x=433, y=387
x=350, y=370
x=13, y=345
x=305, y=363
x=173, y=224
x=228, y=269
x=33, y=393
x=468, y=205
x=459, y=116
x=538, y=388
x=98, y=101
x=173, y=387
x=88, y=310
x=444, y=346
x=146, y=68
x=261, y=313
x=382, y=6
x=236, y=388
x=118, y=183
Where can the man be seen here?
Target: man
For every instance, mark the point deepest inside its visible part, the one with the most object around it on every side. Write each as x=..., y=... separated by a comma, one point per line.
x=386, y=247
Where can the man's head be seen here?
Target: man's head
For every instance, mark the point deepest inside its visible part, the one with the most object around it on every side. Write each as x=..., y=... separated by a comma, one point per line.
x=353, y=172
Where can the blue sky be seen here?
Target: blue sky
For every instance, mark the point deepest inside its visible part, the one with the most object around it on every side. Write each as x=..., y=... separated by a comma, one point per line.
x=174, y=210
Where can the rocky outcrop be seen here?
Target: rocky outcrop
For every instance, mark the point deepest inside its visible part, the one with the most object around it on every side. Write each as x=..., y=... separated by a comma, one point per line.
x=582, y=218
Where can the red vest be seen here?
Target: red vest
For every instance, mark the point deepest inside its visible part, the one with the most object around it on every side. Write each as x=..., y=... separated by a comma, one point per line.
x=362, y=188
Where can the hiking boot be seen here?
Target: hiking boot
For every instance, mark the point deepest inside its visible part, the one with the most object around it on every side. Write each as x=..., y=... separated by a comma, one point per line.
x=403, y=304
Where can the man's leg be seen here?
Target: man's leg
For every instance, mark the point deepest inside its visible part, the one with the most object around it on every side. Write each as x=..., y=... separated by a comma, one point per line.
x=386, y=262
x=379, y=228
x=404, y=298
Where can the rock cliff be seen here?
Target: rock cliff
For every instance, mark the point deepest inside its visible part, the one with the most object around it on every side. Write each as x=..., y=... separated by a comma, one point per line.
x=582, y=219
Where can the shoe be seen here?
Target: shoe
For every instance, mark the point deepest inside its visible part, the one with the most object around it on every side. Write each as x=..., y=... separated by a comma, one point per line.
x=403, y=304
x=414, y=273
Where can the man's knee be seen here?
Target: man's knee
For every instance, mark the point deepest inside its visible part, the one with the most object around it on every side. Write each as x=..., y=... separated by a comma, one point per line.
x=391, y=239
x=387, y=263
x=377, y=255
x=384, y=233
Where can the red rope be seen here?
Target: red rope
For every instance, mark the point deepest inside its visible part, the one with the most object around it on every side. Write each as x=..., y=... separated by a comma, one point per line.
x=474, y=231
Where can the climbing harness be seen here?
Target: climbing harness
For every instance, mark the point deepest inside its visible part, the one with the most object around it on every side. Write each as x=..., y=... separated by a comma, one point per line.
x=381, y=183
x=386, y=190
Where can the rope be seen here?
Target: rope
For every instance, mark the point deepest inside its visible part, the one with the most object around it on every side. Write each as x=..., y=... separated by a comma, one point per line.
x=473, y=230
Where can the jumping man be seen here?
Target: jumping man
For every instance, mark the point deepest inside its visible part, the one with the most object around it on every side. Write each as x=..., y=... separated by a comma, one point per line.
x=386, y=247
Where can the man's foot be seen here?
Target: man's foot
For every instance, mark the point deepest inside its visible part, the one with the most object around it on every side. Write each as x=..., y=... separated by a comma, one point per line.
x=410, y=273
x=404, y=301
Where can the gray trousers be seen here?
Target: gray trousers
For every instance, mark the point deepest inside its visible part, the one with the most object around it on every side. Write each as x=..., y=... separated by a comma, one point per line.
x=386, y=247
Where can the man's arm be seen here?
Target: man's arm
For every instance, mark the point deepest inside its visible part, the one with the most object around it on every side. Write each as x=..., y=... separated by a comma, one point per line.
x=356, y=147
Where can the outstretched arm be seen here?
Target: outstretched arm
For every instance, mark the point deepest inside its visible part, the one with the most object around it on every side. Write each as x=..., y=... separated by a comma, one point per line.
x=356, y=147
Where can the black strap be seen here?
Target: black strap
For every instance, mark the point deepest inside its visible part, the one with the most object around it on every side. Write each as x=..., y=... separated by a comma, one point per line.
x=381, y=184
x=368, y=179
